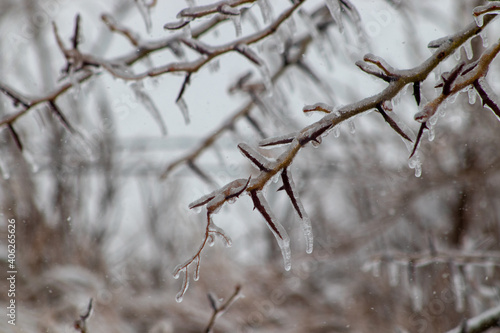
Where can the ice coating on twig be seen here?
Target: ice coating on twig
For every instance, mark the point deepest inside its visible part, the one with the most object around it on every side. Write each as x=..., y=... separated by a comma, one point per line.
x=251, y=55
x=277, y=229
x=255, y=157
x=291, y=191
x=278, y=140
x=228, y=191
x=320, y=107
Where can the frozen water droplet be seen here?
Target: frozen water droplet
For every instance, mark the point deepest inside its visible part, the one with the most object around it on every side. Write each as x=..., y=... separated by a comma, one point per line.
x=197, y=210
x=457, y=54
x=336, y=131
x=68, y=219
x=236, y=19
x=179, y=297
x=178, y=270
x=352, y=126
x=315, y=143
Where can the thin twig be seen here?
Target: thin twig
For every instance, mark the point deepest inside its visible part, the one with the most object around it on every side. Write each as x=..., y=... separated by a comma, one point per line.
x=219, y=310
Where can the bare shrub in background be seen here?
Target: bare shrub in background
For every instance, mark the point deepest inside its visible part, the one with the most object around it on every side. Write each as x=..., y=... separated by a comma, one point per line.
x=101, y=200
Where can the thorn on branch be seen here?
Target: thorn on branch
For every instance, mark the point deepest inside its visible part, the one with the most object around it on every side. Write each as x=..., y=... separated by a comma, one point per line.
x=75, y=40
x=245, y=50
x=279, y=140
x=255, y=157
x=59, y=115
x=419, y=137
x=187, y=80
x=16, y=98
x=81, y=324
x=384, y=71
x=392, y=123
x=197, y=45
x=484, y=91
x=200, y=173
x=255, y=125
x=416, y=91
x=15, y=136
x=450, y=78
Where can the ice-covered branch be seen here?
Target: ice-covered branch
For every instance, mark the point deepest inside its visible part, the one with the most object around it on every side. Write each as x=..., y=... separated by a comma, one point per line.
x=481, y=323
x=314, y=132
x=456, y=81
x=219, y=310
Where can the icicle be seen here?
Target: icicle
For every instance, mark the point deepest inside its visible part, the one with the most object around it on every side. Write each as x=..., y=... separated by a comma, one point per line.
x=415, y=163
x=289, y=187
x=489, y=269
x=181, y=103
x=431, y=133
x=148, y=103
x=5, y=169
x=459, y=288
x=276, y=228
x=352, y=126
x=393, y=273
x=266, y=78
x=145, y=13
x=376, y=268
x=472, y=96
x=457, y=54
x=266, y=10
x=185, y=285
x=335, y=11
x=236, y=19
x=196, y=274
x=468, y=49
x=31, y=161
x=416, y=297
x=485, y=40
x=479, y=20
